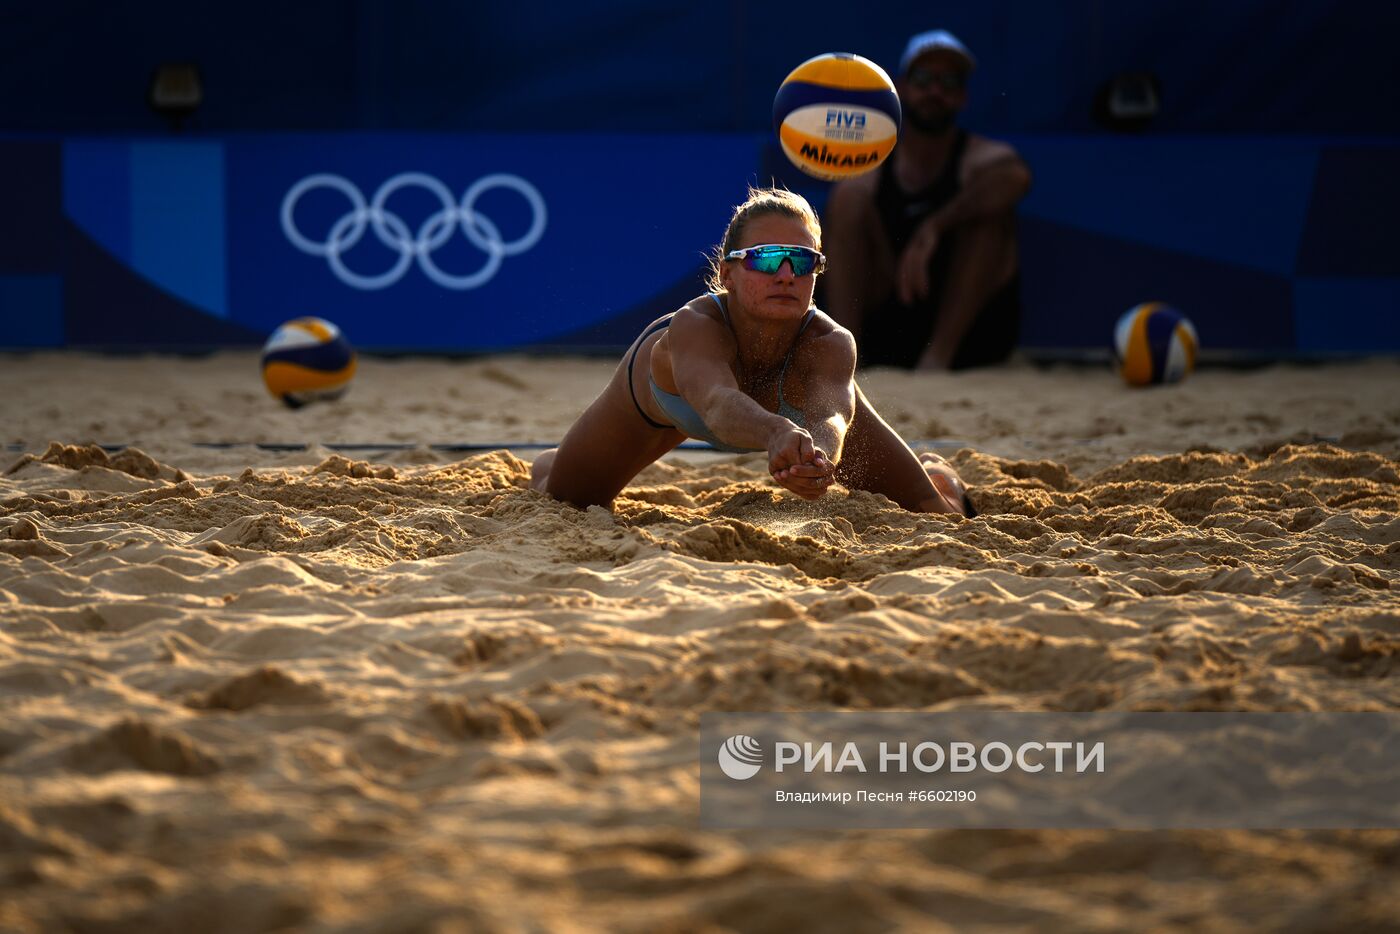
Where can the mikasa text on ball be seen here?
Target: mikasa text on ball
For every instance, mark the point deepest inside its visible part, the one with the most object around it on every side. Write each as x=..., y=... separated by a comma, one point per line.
x=1154, y=343
x=837, y=116
x=306, y=360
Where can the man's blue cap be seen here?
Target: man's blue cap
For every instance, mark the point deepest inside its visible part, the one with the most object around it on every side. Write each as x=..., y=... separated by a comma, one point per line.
x=932, y=41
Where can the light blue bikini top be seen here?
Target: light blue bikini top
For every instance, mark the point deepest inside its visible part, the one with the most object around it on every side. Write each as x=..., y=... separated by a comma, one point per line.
x=684, y=417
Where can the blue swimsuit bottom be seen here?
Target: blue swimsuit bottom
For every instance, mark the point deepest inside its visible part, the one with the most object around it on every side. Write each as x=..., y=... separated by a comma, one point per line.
x=683, y=415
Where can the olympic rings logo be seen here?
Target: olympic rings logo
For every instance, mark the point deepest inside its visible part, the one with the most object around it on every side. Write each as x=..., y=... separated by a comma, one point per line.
x=393, y=232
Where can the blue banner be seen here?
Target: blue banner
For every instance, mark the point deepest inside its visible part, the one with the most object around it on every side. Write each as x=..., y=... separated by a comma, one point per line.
x=484, y=242
x=413, y=242
x=472, y=243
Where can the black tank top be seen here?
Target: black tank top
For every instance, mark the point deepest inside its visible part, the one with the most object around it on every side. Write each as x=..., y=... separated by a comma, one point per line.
x=895, y=334
x=900, y=212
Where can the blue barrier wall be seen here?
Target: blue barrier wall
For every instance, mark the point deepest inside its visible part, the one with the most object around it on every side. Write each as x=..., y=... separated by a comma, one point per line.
x=1261, y=200
x=455, y=242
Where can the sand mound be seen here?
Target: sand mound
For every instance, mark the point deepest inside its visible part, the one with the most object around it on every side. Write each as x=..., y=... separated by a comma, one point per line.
x=267, y=689
x=131, y=461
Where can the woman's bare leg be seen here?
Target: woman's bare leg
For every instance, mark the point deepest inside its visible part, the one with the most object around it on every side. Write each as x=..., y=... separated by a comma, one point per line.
x=875, y=458
x=602, y=451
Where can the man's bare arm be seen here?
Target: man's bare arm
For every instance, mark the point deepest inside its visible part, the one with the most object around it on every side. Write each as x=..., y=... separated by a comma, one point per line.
x=995, y=181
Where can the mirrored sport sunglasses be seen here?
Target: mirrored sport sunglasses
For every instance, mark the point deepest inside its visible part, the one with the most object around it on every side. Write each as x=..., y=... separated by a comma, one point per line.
x=768, y=257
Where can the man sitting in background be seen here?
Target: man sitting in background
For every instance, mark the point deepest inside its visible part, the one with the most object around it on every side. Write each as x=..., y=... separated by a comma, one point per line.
x=922, y=255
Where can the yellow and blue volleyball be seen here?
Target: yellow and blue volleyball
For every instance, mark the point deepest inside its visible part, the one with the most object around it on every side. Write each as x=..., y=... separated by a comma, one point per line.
x=1154, y=343
x=307, y=360
x=837, y=116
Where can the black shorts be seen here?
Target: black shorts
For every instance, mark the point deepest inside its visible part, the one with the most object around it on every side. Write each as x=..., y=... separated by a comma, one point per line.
x=897, y=335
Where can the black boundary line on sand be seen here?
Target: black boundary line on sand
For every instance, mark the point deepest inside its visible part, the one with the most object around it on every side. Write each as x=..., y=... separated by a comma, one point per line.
x=445, y=448
x=469, y=448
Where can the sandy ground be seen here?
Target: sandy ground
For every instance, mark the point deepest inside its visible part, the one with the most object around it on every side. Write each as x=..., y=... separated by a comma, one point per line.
x=248, y=690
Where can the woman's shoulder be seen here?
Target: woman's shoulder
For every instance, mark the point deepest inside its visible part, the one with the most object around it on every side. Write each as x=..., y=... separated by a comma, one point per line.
x=706, y=303
x=824, y=336
x=827, y=329
x=704, y=307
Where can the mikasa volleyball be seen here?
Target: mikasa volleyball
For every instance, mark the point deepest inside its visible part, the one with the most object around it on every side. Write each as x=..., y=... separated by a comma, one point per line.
x=307, y=360
x=837, y=116
x=1154, y=343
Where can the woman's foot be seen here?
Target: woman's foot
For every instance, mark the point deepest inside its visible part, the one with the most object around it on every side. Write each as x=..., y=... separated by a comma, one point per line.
x=539, y=470
x=948, y=484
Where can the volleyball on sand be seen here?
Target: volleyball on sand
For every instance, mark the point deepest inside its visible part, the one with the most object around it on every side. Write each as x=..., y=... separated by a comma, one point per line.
x=837, y=116
x=1154, y=343
x=307, y=360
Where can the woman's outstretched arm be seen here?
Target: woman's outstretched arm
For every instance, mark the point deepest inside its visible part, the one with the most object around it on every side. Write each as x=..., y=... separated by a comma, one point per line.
x=829, y=390
x=700, y=365
x=822, y=385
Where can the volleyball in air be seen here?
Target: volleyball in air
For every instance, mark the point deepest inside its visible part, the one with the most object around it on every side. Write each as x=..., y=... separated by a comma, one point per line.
x=837, y=116
x=307, y=360
x=1154, y=343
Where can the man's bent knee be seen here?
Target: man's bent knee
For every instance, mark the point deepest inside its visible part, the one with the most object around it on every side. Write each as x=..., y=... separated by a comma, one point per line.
x=1000, y=228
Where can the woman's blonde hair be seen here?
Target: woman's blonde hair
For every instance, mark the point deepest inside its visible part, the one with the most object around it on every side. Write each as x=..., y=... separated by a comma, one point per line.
x=759, y=203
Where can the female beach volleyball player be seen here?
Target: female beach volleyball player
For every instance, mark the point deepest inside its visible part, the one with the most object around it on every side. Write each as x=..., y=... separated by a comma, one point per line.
x=751, y=366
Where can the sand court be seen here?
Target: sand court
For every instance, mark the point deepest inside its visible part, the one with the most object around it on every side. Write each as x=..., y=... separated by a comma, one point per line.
x=393, y=689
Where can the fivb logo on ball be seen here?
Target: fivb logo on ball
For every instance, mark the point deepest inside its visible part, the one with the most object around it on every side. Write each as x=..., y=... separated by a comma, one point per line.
x=837, y=116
